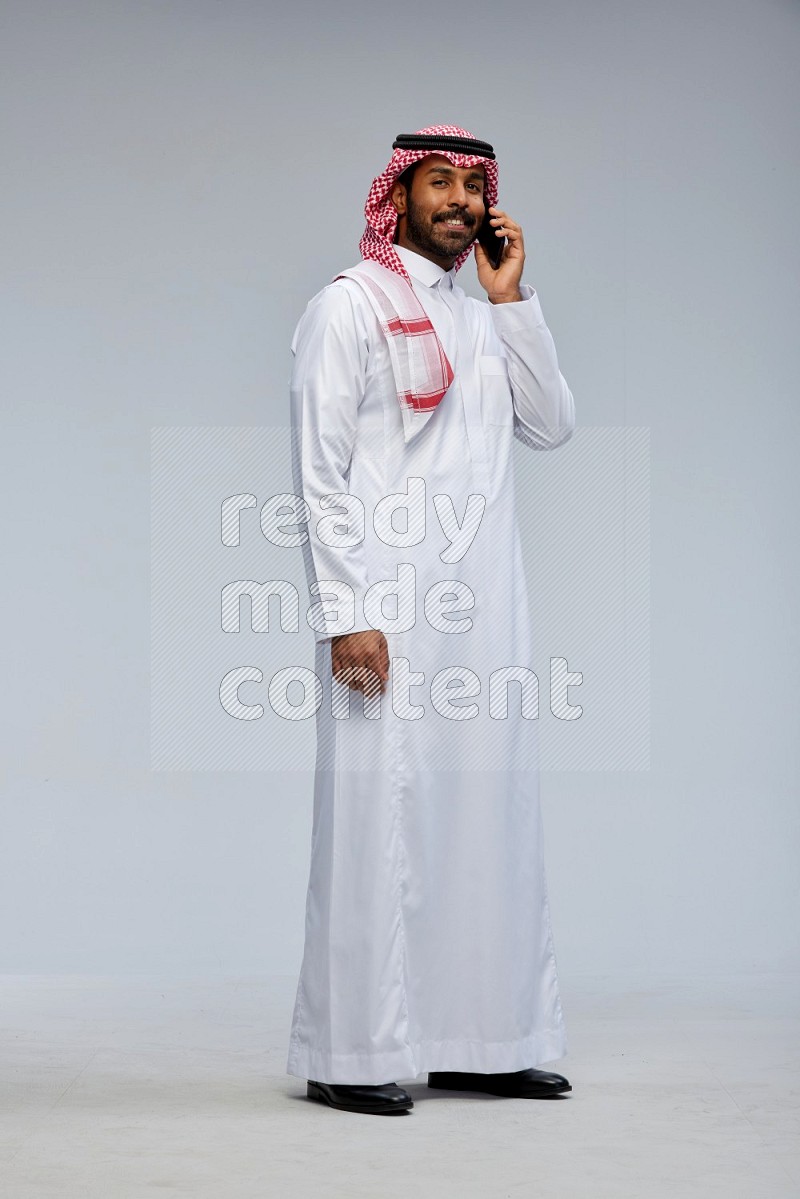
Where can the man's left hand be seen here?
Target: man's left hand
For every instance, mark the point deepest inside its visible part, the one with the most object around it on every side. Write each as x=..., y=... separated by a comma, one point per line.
x=502, y=285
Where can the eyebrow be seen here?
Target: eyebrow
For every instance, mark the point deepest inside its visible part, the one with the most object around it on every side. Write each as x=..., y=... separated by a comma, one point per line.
x=449, y=171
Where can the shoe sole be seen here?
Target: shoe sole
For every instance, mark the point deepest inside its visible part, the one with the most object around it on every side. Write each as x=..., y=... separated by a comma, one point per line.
x=386, y=1109
x=550, y=1093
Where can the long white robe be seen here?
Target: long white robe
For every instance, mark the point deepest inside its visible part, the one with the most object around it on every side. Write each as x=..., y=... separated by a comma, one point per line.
x=428, y=943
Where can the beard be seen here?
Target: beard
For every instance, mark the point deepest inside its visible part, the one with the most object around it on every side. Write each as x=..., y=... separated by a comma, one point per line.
x=432, y=235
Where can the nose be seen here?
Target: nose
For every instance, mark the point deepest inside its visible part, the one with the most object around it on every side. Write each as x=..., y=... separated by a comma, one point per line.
x=458, y=196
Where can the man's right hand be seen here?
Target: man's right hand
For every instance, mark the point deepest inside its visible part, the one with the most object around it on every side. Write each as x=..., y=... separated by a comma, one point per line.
x=361, y=661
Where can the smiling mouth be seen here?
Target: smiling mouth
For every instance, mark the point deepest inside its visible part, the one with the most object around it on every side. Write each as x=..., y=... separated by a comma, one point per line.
x=456, y=223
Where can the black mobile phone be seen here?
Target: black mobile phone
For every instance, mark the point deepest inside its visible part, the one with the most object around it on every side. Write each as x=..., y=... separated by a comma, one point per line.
x=492, y=244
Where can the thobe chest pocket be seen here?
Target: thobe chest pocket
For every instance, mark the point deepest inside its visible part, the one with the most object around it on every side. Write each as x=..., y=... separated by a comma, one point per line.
x=497, y=404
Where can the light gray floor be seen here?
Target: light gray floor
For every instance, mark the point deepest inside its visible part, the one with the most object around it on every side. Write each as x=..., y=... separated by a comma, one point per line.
x=113, y=1087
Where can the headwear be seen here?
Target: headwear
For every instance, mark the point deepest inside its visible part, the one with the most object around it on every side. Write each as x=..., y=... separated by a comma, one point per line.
x=422, y=372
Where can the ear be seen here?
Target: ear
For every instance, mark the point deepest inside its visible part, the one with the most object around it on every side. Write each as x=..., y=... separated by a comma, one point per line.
x=399, y=198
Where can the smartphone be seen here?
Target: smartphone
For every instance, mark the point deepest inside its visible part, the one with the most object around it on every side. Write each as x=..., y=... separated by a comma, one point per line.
x=492, y=244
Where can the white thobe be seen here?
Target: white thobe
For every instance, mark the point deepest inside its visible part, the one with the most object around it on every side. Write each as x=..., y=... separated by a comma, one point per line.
x=428, y=942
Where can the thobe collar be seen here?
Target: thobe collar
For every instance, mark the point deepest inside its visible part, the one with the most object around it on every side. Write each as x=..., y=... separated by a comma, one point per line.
x=425, y=271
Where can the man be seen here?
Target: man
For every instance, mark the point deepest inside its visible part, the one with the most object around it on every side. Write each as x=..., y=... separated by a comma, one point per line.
x=428, y=945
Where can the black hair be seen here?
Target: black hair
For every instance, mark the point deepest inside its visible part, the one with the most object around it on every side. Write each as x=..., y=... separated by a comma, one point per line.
x=407, y=177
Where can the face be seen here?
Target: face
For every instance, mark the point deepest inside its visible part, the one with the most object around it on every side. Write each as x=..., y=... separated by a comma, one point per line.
x=443, y=212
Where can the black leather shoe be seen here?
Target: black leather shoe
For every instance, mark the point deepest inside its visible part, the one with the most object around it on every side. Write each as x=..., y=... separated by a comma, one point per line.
x=522, y=1084
x=383, y=1100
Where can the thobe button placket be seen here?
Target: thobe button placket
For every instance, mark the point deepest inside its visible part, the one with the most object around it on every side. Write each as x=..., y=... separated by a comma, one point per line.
x=441, y=298
x=470, y=394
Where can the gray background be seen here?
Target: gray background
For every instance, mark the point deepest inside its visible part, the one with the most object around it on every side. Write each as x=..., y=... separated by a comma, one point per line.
x=179, y=179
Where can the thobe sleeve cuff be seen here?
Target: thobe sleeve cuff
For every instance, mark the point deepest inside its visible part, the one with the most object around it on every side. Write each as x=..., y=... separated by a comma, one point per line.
x=527, y=312
x=340, y=628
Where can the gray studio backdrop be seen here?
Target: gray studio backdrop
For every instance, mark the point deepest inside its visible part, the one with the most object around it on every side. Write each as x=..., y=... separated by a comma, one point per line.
x=179, y=179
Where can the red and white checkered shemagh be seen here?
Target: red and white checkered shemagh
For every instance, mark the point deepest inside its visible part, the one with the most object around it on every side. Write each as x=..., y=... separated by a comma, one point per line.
x=421, y=369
